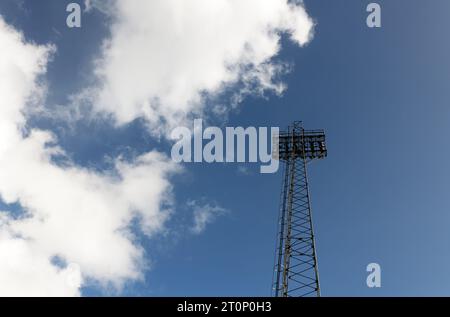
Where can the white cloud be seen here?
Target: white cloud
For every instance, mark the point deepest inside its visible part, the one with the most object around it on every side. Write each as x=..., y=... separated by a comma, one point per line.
x=164, y=56
x=204, y=214
x=24, y=271
x=78, y=215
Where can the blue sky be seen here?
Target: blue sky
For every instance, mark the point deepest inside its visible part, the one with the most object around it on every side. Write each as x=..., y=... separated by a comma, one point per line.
x=381, y=195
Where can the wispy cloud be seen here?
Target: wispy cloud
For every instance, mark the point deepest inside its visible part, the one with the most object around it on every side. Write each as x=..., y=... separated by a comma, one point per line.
x=244, y=170
x=204, y=214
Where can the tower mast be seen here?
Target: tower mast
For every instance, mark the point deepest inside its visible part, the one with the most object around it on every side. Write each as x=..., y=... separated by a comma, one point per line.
x=296, y=271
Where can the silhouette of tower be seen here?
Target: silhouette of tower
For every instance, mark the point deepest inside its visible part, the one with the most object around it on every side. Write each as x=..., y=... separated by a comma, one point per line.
x=295, y=270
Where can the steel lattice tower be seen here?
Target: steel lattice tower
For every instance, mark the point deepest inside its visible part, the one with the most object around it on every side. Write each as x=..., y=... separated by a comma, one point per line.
x=296, y=271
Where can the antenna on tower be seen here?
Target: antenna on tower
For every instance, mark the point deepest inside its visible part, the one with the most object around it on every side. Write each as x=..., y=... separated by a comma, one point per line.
x=296, y=272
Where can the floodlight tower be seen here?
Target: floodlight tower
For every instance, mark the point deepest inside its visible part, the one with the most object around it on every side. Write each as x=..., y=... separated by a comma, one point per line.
x=295, y=269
